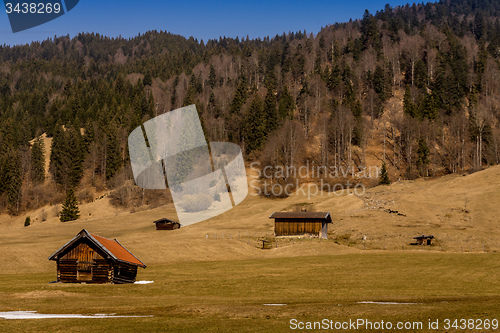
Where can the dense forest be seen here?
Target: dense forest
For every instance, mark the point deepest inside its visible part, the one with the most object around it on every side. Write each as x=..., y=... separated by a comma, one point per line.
x=330, y=99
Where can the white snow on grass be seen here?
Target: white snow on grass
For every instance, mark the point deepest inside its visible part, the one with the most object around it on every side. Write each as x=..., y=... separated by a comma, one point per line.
x=390, y=303
x=275, y=304
x=143, y=282
x=36, y=315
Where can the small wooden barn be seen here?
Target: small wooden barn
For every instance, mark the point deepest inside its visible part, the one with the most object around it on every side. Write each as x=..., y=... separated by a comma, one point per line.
x=301, y=223
x=423, y=238
x=166, y=224
x=89, y=258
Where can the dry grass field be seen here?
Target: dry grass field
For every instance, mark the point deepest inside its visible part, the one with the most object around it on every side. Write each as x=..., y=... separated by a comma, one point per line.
x=213, y=276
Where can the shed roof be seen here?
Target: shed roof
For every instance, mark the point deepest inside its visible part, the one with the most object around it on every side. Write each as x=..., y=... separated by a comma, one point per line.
x=424, y=237
x=165, y=220
x=302, y=215
x=110, y=246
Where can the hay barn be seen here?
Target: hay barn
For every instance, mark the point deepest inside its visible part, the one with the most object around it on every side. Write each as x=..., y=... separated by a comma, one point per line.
x=420, y=240
x=89, y=258
x=301, y=223
x=166, y=224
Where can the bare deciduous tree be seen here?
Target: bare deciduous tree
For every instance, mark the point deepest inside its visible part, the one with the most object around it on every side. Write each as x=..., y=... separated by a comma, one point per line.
x=412, y=46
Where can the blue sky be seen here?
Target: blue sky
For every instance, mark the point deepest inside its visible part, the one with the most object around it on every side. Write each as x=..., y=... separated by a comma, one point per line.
x=200, y=19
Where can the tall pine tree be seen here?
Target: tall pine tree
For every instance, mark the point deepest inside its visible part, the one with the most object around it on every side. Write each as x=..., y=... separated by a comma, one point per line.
x=67, y=156
x=37, y=161
x=11, y=175
x=70, y=210
x=409, y=106
x=286, y=104
x=113, y=154
x=422, y=157
x=76, y=155
x=240, y=96
x=255, y=125
x=270, y=111
x=59, y=159
x=384, y=176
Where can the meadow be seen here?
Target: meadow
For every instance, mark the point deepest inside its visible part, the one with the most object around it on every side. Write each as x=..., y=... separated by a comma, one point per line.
x=226, y=296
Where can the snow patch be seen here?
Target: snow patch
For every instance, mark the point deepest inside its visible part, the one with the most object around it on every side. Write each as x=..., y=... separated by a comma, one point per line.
x=36, y=315
x=143, y=282
x=275, y=304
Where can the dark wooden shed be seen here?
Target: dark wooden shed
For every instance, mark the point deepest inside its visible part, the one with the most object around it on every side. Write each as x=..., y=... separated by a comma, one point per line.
x=301, y=223
x=89, y=258
x=423, y=238
x=166, y=224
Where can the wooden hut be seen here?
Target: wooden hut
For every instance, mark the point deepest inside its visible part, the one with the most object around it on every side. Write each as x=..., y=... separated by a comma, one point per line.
x=423, y=238
x=301, y=223
x=166, y=224
x=89, y=258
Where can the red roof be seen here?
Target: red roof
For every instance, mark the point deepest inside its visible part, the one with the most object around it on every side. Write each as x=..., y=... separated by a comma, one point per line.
x=117, y=250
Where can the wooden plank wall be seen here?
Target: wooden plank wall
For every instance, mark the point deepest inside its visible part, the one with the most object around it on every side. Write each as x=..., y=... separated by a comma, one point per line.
x=124, y=273
x=66, y=270
x=166, y=226
x=82, y=252
x=282, y=227
x=83, y=264
x=101, y=271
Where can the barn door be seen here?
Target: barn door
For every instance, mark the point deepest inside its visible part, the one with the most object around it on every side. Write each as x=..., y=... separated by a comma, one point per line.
x=84, y=264
x=83, y=271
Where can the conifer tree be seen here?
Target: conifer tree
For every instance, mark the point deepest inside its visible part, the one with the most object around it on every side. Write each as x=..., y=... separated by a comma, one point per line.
x=212, y=107
x=70, y=211
x=429, y=107
x=357, y=112
x=113, y=154
x=67, y=156
x=408, y=106
x=254, y=129
x=59, y=159
x=212, y=77
x=76, y=155
x=37, y=161
x=141, y=104
x=11, y=178
x=369, y=29
x=285, y=104
x=151, y=105
x=420, y=74
x=270, y=111
x=422, y=156
x=380, y=84
x=334, y=77
x=148, y=80
x=173, y=100
x=191, y=91
x=384, y=176
x=89, y=134
x=240, y=96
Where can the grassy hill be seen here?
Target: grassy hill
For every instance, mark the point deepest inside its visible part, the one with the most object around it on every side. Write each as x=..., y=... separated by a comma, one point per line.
x=459, y=210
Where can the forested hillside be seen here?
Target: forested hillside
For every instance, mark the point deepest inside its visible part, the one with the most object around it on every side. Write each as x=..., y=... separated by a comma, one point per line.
x=414, y=86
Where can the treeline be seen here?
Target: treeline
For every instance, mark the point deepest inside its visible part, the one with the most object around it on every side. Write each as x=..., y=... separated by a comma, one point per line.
x=421, y=81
